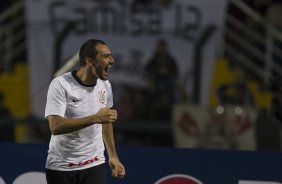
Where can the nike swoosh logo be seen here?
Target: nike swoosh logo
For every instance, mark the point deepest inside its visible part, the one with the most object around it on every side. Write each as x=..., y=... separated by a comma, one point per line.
x=76, y=100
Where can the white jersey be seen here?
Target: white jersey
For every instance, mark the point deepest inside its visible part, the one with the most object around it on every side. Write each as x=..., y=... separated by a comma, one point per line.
x=70, y=98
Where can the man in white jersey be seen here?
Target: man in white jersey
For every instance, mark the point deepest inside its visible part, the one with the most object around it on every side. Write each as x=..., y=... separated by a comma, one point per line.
x=80, y=119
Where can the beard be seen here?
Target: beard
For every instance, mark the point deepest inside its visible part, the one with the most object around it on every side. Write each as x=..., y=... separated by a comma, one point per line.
x=100, y=70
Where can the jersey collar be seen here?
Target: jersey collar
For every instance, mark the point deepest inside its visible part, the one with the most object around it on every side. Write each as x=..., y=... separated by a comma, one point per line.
x=79, y=81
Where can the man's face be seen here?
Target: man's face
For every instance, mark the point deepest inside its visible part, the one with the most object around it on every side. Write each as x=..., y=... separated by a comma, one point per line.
x=103, y=61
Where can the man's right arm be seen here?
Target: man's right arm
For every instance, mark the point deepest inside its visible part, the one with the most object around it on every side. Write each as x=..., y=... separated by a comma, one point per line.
x=60, y=125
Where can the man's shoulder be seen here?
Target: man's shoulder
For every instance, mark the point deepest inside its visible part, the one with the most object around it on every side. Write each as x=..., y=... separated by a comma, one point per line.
x=62, y=79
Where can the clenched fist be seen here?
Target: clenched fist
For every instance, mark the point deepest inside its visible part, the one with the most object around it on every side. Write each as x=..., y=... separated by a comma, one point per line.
x=106, y=115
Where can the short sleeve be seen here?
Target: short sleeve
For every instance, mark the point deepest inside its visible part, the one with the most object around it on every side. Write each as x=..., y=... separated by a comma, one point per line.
x=110, y=94
x=56, y=99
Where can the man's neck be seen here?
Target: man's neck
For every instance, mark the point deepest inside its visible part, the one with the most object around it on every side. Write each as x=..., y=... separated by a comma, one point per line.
x=86, y=77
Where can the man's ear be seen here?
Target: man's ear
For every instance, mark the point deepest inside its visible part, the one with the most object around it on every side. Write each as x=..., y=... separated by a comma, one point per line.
x=89, y=61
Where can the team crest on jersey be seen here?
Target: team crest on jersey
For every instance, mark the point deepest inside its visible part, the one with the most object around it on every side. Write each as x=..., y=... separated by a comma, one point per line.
x=102, y=96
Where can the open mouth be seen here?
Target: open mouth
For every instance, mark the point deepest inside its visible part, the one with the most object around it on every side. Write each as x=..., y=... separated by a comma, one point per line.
x=107, y=69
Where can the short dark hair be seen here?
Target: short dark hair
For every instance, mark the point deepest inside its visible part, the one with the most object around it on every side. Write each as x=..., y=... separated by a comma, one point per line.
x=88, y=50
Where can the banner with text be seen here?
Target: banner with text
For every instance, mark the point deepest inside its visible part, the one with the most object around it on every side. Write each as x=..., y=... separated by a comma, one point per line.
x=57, y=28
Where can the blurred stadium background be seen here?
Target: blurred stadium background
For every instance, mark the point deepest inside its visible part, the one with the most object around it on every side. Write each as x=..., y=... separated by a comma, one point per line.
x=210, y=91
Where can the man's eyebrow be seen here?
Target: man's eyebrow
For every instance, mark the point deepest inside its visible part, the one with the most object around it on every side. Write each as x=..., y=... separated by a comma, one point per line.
x=106, y=54
x=103, y=53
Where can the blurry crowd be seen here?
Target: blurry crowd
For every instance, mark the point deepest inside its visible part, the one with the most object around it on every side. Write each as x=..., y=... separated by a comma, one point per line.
x=155, y=100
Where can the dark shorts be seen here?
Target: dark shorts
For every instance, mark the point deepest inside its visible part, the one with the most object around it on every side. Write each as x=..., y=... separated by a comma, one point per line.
x=93, y=175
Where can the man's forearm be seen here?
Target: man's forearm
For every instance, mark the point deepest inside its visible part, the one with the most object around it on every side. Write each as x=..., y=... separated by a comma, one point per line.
x=59, y=125
x=108, y=136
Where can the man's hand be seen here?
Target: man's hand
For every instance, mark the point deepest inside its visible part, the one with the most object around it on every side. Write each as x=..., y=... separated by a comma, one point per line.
x=106, y=115
x=117, y=168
